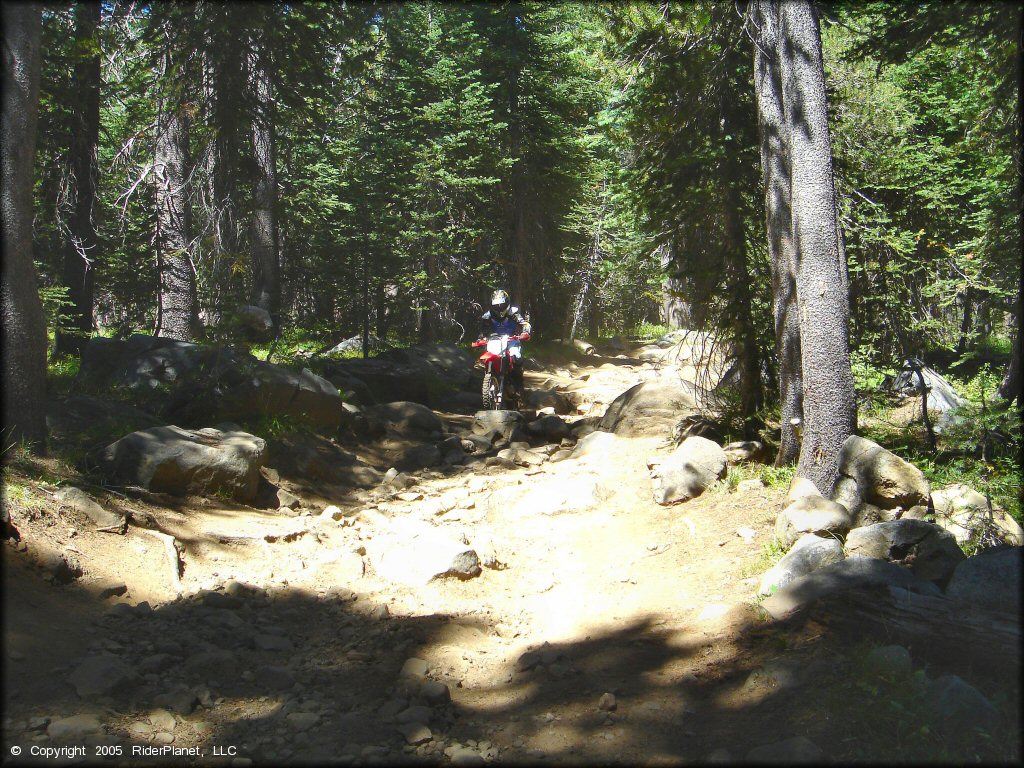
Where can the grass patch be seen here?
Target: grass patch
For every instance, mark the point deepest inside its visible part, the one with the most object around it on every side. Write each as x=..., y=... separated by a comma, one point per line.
x=771, y=552
x=888, y=714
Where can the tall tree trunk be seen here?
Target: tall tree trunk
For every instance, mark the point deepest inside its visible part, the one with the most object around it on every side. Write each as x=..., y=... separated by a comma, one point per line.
x=225, y=72
x=738, y=305
x=177, y=298
x=264, y=233
x=81, y=250
x=778, y=217
x=830, y=414
x=24, y=325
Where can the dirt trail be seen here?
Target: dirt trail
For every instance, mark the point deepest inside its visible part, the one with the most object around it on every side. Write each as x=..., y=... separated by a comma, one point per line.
x=602, y=591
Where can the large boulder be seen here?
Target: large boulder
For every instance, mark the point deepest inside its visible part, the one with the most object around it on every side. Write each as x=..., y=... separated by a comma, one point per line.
x=851, y=573
x=139, y=362
x=179, y=461
x=385, y=380
x=502, y=422
x=407, y=417
x=930, y=552
x=265, y=389
x=992, y=578
x=689, y=471
x=811, y=514
x=941, y=396
x=549, y=427
x=196, y=384
x=882, y=477
x=650, y=408
x=256, y=322
x=810, y=553
x=964, y=512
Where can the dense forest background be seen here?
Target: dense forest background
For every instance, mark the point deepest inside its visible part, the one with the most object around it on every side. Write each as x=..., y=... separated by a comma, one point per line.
x=381, y=167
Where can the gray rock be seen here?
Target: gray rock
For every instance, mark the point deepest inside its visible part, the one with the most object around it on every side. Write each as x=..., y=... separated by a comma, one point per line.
x=103, y=675
x=549, y=428
x=650, y=408
x=958, y=706
x=217, y=663
x=435, y=693
x=419, y=457
x=689, y=471
x=407, y=417
x=178, y=461
x=888, y=661
x=930, y=552
x=414, y=668
x=274, y=678
x=882, y=477
x=811, y=514
x=607, y=702
x=75, y=727
x=182, y=701
x=79, y=500
x=941, y=397
x=287, y=499
x=748, y=450
x=520, y=457
x=991, y=578
x=414, y=552
x=798, y=749
x=502, y=422
x=415, y=733
x=302, y=721
x=256, y=321
x=808, y=554
x=850, y=573
x=415, y=714
x=964, y=512
x=547, y=398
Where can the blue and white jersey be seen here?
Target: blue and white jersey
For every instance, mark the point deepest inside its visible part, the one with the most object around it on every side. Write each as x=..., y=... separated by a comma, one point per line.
x=511, y=325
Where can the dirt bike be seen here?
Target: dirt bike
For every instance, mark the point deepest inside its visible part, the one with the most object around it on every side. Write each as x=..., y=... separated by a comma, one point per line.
x=497, y=362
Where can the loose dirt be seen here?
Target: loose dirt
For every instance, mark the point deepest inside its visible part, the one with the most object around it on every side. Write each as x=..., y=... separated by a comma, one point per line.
x=609, y=629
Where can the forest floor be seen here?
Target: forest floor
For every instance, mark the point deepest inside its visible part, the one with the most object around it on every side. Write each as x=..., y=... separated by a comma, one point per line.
x=613, y=630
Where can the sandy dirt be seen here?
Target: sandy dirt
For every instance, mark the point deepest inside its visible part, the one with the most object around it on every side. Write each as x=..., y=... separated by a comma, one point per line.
x=608, y=629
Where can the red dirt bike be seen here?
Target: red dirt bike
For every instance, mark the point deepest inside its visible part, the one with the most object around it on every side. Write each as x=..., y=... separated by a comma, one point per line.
x=497, y=361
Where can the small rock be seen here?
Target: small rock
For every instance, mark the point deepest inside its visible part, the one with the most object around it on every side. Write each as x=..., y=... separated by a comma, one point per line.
x=891, y=661
x=74, y=727
x=415, y=668
x=303, y=721
x=415, y=714
x=435, y=692
x=415, y=733
x=163, y=720
x=607, y=702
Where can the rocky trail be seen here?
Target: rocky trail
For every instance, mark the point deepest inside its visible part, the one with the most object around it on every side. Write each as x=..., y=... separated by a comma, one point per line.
x=577, y=621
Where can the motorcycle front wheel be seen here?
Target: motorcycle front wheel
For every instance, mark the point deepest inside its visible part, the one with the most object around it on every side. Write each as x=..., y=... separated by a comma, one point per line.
x=488, y=392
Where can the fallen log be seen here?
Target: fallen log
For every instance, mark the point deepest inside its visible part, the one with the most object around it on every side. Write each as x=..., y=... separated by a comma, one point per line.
x=937, y=628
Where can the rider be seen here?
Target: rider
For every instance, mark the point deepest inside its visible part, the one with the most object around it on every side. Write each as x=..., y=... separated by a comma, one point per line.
x=506, y=320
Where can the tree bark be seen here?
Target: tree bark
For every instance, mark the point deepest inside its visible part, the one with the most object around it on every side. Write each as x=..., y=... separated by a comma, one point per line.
x=81, y=248
x=263, y=225
x=778, y=217
x=738, y=280
x=821, y=281
x=24, y=325
x=177, y=297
